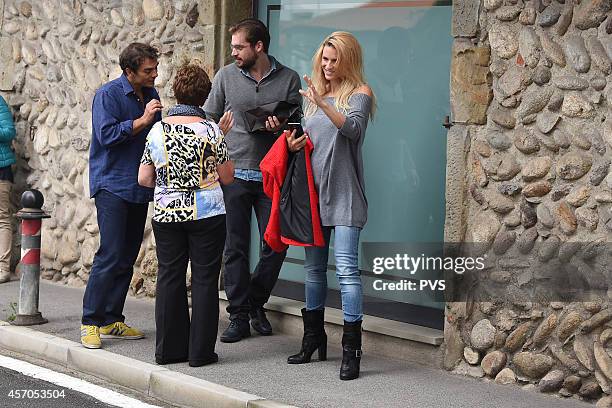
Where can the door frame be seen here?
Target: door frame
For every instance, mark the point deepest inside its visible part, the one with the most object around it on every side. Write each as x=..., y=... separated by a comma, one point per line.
x=398, y=311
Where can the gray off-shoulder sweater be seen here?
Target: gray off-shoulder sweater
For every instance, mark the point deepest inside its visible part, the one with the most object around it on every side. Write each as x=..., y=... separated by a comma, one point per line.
x=337, y=163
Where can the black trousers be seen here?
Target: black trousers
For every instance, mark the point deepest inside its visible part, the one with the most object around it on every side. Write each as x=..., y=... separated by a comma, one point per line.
x=245, y=291
x=201, y=242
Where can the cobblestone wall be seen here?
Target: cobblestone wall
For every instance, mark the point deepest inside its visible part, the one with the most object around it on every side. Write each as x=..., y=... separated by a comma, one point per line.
x=529, y=154
x=55, y=54
x=532, y=148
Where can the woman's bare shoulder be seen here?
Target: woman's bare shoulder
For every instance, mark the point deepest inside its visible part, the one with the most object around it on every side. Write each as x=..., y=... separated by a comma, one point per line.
x=365, y=89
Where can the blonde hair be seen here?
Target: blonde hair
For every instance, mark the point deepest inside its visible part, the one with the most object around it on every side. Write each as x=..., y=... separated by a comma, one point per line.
x=349, y=68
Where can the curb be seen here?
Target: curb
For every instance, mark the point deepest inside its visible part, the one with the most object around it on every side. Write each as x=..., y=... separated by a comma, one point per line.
x=149, y=379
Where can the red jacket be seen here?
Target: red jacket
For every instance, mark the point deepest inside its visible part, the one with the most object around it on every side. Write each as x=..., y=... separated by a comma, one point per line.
x=288, y=181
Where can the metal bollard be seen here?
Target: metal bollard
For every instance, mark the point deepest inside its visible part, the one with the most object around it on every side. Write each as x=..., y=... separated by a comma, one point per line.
x=31, y=216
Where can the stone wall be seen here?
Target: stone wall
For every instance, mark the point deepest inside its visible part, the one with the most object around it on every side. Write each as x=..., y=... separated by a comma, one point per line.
x=55, y=54
x=528, y=155
x=529, y=159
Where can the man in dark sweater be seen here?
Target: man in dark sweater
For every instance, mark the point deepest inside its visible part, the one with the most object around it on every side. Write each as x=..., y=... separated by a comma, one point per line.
x=255, y=79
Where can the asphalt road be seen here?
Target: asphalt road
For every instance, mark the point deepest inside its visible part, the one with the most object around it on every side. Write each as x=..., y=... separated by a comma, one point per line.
x=18, y=390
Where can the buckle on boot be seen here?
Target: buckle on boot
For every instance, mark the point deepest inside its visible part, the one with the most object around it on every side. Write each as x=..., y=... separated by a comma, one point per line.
x=358, y=353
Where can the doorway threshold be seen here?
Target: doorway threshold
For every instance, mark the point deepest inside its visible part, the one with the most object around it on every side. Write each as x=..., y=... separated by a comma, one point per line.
x=373, y=324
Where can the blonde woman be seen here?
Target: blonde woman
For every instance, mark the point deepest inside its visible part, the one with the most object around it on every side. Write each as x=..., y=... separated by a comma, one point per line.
x=339, y=104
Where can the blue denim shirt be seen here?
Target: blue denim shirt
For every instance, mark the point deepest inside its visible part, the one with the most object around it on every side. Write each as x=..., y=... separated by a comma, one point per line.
x=248, y=175
x=114, y=153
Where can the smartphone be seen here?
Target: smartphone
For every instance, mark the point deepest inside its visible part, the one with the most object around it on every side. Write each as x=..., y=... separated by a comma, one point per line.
x=297, y=126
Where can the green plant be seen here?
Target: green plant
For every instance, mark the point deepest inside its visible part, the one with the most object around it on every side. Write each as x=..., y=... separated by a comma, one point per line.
x=12, y=310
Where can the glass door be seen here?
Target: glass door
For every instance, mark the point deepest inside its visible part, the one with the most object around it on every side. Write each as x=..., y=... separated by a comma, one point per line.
x=407, y=49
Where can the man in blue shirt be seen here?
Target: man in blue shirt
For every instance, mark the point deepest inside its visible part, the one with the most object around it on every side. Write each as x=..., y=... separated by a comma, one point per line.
x=123, y=112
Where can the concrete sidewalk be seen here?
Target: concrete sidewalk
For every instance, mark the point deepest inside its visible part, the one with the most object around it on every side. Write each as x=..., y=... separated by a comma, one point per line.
x=254, y=371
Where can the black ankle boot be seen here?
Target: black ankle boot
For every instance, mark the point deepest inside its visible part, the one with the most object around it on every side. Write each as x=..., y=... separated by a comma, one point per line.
x=351, y=350
x=314, y=338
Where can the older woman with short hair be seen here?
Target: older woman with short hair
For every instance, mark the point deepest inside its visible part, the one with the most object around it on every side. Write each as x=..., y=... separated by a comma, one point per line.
x=186, y=159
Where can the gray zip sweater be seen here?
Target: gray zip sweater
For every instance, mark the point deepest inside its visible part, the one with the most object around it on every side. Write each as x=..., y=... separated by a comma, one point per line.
x=232, y=90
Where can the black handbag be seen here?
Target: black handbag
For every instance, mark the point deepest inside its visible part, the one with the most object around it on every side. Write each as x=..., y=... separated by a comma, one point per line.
x=255, y=119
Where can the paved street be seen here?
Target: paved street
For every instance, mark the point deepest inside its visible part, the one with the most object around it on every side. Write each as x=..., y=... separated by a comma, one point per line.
x=258, y=365
x=11, y=379
x=29, y=382
x=18, y=390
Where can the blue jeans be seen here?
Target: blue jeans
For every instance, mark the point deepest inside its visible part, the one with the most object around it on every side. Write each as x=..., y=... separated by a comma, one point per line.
x=346, y=246
x=121, y=226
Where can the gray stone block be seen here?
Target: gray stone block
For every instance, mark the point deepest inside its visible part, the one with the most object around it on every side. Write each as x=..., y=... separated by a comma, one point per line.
x=7, y=73
x=34, y=343
x=189, y=391
x=121, y=370
x=454, y=226
x=465, y=18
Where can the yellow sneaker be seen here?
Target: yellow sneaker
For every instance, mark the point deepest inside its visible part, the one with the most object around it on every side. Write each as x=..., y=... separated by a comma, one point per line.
x=120, y=330
x=90, y=336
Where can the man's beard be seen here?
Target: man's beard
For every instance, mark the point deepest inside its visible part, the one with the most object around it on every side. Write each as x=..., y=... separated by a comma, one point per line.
x=247, y=63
